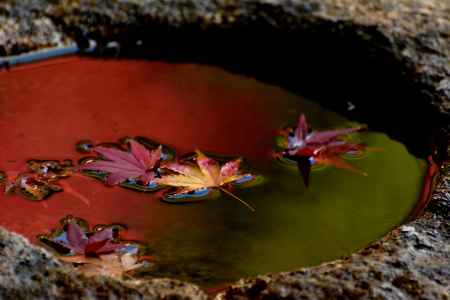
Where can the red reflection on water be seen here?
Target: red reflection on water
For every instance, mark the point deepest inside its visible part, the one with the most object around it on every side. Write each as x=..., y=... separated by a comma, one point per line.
x=45, y=109
x=429, y=185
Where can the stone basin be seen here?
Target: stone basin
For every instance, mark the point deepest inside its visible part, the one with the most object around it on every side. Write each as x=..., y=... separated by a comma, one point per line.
x=387, y=58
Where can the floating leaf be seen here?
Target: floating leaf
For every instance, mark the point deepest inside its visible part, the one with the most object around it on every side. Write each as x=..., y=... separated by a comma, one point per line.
x=100, y=242
x=42, y=179
x=135, y=169
x=204, y=175
x=50, y=169
x=167, y=152
x=302, y=141
x=305, y=147
x=93, y=252
x=331, y=155
x=31, y=187
x=75, y=238
x=122, y=165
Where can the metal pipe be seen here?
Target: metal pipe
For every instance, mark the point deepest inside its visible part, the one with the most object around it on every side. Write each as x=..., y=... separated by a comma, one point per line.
x=35, y=56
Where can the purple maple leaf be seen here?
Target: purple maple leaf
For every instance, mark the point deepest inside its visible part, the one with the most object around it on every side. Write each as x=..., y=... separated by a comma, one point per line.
x=322, y=147
x=139, y=162
x=304, y=142
x=97, y=244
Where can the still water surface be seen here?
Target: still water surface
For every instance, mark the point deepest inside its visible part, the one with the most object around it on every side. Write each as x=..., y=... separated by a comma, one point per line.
x=46, y=109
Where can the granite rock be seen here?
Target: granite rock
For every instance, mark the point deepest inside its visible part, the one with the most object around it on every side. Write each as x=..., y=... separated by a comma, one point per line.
x=387, y=58
x=30, y=272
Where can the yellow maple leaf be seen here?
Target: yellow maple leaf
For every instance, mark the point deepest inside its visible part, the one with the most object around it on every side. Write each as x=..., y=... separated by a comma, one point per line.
x=207, y=173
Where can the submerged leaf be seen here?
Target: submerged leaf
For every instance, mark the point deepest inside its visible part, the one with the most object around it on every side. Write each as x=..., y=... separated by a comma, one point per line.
x=112, y=265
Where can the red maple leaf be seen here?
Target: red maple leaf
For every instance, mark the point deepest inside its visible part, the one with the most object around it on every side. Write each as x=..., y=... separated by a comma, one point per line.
x=302, y=141
x=99, y=243
x=331, y=155
x=139, y=162
x=307, y=147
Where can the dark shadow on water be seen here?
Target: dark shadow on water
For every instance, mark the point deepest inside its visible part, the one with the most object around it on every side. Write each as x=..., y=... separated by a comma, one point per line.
x=346, y=70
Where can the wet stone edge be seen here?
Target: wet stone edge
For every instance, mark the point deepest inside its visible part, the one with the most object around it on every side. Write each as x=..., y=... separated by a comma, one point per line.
x=409, y=263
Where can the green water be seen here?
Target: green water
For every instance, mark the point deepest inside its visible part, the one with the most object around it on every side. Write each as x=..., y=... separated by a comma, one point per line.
x=219, y=241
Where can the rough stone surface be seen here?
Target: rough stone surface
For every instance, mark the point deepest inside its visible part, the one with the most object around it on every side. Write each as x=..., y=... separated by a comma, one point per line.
x=395, y=54
x=30, y=272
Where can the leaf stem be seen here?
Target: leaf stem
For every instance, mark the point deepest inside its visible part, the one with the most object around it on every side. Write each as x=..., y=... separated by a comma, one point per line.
x=237, y=198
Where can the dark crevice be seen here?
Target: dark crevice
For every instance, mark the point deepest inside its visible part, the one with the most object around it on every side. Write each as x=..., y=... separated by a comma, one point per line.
x=334, y=67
